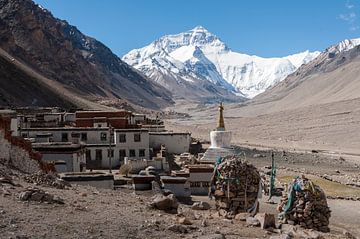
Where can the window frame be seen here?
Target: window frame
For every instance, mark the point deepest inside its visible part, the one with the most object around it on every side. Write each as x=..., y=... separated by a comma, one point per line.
x=64, y=139
x=97, y=154
x=142, y=152
x=132, y=153
x=102, y=138
x=137, y=139
x=121, y=139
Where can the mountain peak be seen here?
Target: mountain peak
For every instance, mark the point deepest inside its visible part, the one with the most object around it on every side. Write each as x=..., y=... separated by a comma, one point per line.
x=344, y=45
x=199, y=29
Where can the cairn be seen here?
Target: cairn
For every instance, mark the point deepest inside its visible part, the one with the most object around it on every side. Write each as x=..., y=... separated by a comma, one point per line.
x=236, y=186
x=305, y=204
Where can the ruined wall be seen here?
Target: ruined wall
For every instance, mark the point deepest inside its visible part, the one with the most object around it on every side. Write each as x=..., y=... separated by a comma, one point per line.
x=17, y=153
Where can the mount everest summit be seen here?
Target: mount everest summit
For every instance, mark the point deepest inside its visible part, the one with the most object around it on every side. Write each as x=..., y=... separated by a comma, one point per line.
x=197, y=65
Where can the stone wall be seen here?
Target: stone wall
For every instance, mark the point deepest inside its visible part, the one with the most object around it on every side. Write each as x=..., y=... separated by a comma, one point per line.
x=17, y=153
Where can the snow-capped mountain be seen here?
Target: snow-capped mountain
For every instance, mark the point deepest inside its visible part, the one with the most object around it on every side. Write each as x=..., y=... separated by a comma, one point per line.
x=344, y=45
x=197, y=58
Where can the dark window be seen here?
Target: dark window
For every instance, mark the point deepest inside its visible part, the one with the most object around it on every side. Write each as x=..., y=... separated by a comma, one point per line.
x=132, y=153
x=110, y=153
x=141, y=152
x=64, y=137
x=83, y=136
x=103, y=136
x=122, y=138
x=98, y=154
x=137, y=138
x=122, y=153
x=24, y=135
x=99, y=125
x=88, y=154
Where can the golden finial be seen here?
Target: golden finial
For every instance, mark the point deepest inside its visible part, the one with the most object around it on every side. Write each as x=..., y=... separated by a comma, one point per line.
x=221, y=124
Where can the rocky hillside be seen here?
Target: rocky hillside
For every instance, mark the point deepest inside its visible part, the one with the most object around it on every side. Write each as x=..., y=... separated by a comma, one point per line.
x=81, y=64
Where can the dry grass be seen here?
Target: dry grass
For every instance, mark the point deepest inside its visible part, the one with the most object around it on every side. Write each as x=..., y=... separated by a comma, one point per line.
x=330, y=188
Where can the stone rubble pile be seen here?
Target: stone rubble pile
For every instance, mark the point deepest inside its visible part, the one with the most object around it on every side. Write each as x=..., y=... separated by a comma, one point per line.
x=237, y=186
x=50, y=179
x=38, y=195
x=305, y=204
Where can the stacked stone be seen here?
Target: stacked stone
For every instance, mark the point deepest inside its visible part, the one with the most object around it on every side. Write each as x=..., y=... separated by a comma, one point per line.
x=50, y=179
x=236, y=186
x=309, y=208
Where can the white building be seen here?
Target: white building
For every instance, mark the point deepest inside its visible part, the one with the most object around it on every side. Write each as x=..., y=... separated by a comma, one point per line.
x=67, y=157
x=131, y=143
x=175, y=143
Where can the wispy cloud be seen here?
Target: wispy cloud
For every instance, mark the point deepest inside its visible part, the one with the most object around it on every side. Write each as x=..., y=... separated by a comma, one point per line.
x=348, y=5
x=350, y=16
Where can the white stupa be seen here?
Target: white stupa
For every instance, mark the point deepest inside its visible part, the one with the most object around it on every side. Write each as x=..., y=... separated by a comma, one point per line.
x=220, y=141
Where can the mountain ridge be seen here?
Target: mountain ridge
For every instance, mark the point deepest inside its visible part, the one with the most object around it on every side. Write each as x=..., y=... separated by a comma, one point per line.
x=59, y=51
x=239, y=73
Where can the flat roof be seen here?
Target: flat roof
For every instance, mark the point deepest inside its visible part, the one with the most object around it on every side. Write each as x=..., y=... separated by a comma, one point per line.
x=170, y=133
x=131, y=130
x=67, y=129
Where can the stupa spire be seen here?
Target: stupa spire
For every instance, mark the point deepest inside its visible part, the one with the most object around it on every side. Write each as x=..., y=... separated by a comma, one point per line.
x=221, y=124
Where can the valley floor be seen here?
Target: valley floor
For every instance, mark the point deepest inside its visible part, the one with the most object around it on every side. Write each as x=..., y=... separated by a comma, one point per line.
x=88, y=212
x=333, y=128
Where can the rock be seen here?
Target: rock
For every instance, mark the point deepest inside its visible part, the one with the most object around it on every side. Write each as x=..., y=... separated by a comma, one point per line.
x=309, y=234
x=201, y=206
x=165, y=203
x=287, y=228
x=348, y=235
x=184, y=221
x=58, y=200
x=251, y=221
x=37, y=196
x=178, y=228
x=24, y=196
x=7, y=180
x=242, y=216
x=212, y=236
x=266, y=220
x=204, y=223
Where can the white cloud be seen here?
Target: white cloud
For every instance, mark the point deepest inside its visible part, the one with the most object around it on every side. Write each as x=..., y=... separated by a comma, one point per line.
x=350, y=16
x=348, y=5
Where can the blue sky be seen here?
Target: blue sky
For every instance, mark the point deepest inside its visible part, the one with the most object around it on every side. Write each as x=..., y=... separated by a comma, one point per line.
x=260, y=27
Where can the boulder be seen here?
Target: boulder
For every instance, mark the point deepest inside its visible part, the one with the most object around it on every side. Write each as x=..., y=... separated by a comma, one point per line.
x=184, y=221
x=252, y=221
x=266, y=220
x=201, y=206
x=242, y=216
x=166, y=203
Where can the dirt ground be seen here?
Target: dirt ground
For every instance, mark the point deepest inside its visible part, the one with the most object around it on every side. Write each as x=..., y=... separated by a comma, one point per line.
x=98, y=213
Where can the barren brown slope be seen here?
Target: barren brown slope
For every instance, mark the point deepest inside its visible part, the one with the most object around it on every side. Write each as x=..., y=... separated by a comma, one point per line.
x=79, y=63
x=20, y=85
x=326, y=79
